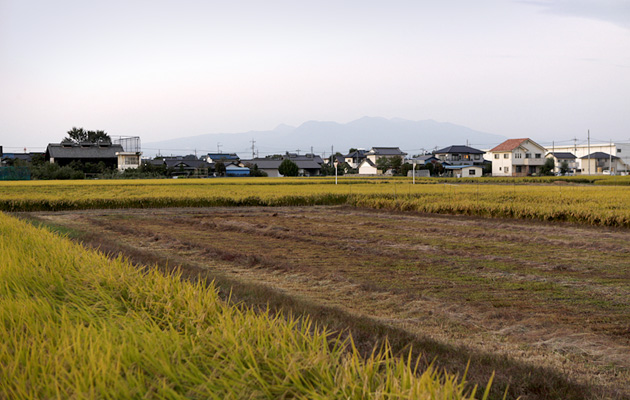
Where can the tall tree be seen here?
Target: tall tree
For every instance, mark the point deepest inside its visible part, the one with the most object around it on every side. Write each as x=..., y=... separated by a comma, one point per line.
x=548, y=167
x=219, y=168
x=288, y=168
x=78, y=135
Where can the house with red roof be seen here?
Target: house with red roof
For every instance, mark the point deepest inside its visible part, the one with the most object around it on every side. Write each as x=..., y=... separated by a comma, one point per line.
x=517, y=157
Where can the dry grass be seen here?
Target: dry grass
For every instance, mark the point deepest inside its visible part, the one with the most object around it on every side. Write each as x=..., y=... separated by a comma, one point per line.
x=518, y=297
x=76, y=324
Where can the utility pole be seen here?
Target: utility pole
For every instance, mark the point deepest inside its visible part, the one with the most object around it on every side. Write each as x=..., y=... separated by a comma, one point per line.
x=589, y=151
x=610, y=159
x=413, y=173
x=553, y=155
x=253, y=148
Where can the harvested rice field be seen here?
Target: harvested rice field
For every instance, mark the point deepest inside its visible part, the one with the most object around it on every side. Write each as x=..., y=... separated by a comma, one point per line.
x=543, y=305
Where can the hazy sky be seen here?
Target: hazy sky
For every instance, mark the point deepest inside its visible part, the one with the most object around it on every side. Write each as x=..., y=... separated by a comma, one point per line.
x=546, y=69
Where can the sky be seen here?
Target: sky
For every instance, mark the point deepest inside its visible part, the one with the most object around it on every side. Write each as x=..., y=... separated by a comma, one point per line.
x=158, y=69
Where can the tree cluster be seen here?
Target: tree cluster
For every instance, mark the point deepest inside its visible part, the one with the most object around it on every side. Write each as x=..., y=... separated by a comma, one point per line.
x=288, y=168
x=548, y=167
x=79, y=135
x=386, y=163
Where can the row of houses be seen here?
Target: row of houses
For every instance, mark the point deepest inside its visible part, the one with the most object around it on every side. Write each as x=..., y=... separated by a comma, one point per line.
x=522, y=157
x=513, y=157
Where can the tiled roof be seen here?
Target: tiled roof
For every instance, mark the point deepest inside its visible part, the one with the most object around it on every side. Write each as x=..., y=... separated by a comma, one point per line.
x=563, y=155
x=387, y=151
x=509, y=145
x=367, y=161
x=425, y=157
x=223, y=156
x=356, y=154
x=83, y=151
x=186, y=163
x=459, y=149
x=598, y=155
x=268, y=163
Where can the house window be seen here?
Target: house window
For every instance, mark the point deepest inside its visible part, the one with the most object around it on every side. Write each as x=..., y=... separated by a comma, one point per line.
x=507, y=170
x=471, y=172
x=517, y=169
x=496, y=156
x=532, y=170
x=618, y=150
x=132, y=160
x=506, y=155
x=537, y=155
x=528, y=155
x=518, y=155
x=477, y=156
x=499, y=168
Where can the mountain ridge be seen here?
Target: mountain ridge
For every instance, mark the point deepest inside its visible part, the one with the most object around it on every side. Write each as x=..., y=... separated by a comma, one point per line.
x=324, y=136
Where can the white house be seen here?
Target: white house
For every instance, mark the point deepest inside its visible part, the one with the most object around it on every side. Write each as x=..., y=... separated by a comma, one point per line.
x=517, y=157
x=560, y=158
x=367, y=167
x=464, y=171
x=354, y=159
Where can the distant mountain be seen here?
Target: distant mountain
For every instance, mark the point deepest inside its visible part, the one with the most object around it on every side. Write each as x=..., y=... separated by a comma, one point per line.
x=411, y=136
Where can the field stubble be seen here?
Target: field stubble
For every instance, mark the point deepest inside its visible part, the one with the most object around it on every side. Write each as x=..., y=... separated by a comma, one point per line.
x=552, y=296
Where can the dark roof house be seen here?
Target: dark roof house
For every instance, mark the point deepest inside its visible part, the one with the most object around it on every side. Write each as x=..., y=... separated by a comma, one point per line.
x=308, y=165
x=425, y=159
x=65, y=153
x=599, y=155
x=459, y=155
x=214, y=157
x=459, y=149
x=563, y=155
x=386, y=151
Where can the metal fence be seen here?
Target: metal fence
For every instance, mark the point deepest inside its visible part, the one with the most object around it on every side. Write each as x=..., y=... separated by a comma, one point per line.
x=15, y=174
x=130, y=144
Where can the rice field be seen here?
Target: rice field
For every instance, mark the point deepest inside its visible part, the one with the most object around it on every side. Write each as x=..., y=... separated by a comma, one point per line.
x=587, y=204
x=76, y=324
